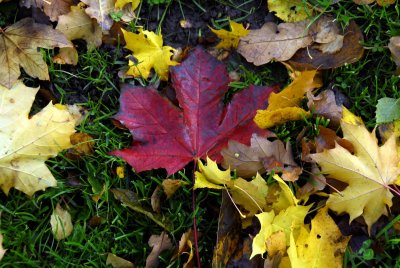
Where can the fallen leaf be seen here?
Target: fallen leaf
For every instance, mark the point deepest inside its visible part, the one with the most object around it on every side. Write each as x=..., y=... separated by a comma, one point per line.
x=158, y=243
x=121, y=3
x=26, y=143
x=185, y=246
x=2, y=250
x=394, y=47
x=118, y=262
x=83, y=143
x=379, y=2
x=387, y=110
x=19, y=48
x=155, y=199
x=170, y=186
x=66, y=55
x=312, y=58
x=274, y=42
x=78, y=25
x=368, y=173
x=61, y=223
x=100, y=10
x=289, y=10
x=323, y=246
x=230, y=39
x=53, y=8
x=327, y=139
x=261, y=156
x=282, y=105
x=148, y=50
x=129, y=199
x=169, y=137
x=326, y=32
x=325, y=105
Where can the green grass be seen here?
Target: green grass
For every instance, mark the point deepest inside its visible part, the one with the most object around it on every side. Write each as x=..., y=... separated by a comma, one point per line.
x=94, y=85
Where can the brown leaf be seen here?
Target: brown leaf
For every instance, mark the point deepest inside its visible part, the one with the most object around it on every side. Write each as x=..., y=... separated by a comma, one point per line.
x=312, y=58
x=327, y=139
x=274, y=42
x=315, y=182
x=325, y=105
x=394, y=47
x=19, y=48
x=261, y=156
x=159, y=243
x=83, y=143
x=118, y=262
x=100, y=10
x=53, y=8
x=326, y=32
x=67, y=55
x=186, y=247
x=170, y=186
x=155, y=199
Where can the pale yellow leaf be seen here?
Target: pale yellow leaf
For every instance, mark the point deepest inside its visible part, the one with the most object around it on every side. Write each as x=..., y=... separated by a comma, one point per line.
x=61, y=223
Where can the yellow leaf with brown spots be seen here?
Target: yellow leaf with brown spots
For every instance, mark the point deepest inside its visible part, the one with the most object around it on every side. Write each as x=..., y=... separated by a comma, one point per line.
x=26, y=143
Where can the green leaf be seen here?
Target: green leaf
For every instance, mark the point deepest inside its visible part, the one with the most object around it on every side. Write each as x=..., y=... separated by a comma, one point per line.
x=387, y=110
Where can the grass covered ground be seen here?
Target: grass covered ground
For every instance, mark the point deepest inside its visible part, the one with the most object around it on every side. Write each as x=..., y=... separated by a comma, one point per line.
x=104, y=225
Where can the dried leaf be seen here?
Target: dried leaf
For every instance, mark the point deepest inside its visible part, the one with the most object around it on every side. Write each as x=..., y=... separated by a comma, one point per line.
x=118, y=262
x=2, y=250
x=186, y=247
x=326, y=32
x=53, y=8
x=66, y=55
x=311, y=58
x=325, y=105
x=274, y=42
x=170, y=186
x=155, y=199
x=230, y=39
x=83, y=143
x=158, y=243
x=26, y=143
x=61, y=223
x=19, y=48
x=100, y=10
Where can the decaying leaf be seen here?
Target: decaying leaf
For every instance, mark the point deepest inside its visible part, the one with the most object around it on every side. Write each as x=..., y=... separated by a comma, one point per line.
x=78, y=25
x=129, y=199
x=394, y=47
x=53, y=8
x=2, y=250
x=312, y=58
x=158, y=243
x=155, y=199
x=169, y=137
x=170, y=186
x=261, y=156
x=100, y=10
x=61, y=223
x=323, y=246
x=289, y=10
x=83, y=143
x=26, y=143
x=274, y=42
x=368, y=173
x=185, y=246
x=282, y=105
x=148, y=50
x=66, y=55
x=325, y=31
x=324, y=104
x=19, y=45
x=118, y=262
x=230, y=39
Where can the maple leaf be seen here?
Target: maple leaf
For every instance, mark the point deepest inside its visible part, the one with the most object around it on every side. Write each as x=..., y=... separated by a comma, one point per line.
x=230, y=39
x=169, y=137
x=289, y=10
x=274, y=42
x=148, y=49
x=18, y=47
x=281, y=106
x=27, y=143
x=368, y=172
x=53, y=8
x=323, y=246
x=100, y=10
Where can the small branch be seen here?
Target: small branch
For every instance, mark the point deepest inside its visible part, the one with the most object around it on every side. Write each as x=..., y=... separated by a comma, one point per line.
x=195, y=237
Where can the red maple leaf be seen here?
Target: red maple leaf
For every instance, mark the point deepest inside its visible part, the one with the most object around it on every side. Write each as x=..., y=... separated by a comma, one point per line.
x=167, y=136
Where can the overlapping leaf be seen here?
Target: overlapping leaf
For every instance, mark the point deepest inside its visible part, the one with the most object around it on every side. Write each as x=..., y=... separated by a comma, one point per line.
x=169, y=137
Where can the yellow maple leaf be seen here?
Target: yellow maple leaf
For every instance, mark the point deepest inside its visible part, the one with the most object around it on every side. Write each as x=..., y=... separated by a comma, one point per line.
x=282, y=106
x=26, y=143
x=230, y=39
x=368, y=173
x=148, y=49
x=323, y=246
x=289, y=10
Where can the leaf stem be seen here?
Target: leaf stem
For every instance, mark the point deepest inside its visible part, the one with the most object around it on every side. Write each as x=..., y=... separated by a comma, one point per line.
x=195, y=237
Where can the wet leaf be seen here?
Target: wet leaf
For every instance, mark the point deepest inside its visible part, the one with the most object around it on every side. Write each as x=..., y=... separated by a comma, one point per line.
x=26, y=143
x=19, y=45
x=274, y=42
x=61, y=223
x=230, y=39
x=170, y=137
